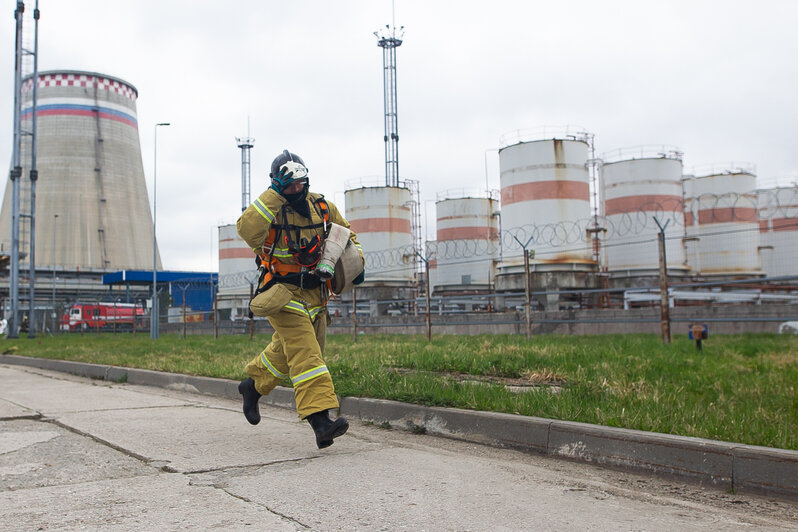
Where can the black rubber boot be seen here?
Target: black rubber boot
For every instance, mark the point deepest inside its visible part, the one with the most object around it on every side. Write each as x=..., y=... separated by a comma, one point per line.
x=326, y=429
x=247, y=389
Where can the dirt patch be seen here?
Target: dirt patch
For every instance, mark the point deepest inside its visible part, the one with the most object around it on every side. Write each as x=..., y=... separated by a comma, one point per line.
x=531, y=380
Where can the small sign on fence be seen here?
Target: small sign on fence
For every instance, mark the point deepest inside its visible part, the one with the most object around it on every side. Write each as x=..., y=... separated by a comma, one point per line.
x=698, y=332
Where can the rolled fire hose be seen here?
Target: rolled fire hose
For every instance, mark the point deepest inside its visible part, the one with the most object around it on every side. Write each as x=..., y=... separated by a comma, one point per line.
x=334, y=246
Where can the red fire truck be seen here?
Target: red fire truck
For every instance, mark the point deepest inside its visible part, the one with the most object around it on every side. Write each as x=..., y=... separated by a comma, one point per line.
x=86, y=316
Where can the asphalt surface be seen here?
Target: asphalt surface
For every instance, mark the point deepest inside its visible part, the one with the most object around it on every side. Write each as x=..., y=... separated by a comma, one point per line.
x=87, y=454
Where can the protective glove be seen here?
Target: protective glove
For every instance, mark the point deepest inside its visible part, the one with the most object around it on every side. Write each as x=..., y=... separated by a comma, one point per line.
x=360, y=278
x=282, y=180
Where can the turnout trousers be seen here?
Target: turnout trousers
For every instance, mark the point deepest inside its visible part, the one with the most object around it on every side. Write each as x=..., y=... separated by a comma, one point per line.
x=295, y=352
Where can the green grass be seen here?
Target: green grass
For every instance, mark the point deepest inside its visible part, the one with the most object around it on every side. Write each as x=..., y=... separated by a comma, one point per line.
x=741, y=388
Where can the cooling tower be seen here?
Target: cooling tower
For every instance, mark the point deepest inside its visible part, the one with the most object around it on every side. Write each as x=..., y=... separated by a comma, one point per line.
x=90, y=176
x=722, y=221
x=467, y=243
x=640, y=184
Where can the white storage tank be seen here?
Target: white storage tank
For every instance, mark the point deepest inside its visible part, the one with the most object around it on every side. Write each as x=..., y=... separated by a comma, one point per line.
x=236, y=262
x=639, y=184
x=722, y=220
x=545, y=195
x=382, y=218
x=778, y=230
x=467, y=241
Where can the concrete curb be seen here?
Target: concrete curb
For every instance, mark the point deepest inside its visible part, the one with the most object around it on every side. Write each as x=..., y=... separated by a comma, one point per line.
x=731, y=466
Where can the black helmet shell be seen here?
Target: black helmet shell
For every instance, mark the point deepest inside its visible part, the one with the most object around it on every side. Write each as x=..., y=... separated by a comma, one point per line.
x=283, y=158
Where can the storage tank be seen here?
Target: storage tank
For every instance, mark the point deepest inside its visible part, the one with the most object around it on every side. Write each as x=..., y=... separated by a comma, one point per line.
x=237, y=270
x=467, y=242
x=545, y=195
x=639, y=184
x=778, y=230
x=90, y=175
x=382, y=218
x=722, y=220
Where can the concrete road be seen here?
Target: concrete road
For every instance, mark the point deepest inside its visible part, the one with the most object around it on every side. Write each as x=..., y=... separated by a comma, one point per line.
x=77, y=454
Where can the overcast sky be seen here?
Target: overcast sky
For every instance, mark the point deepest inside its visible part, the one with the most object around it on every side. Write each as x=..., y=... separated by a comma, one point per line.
x=717, y=79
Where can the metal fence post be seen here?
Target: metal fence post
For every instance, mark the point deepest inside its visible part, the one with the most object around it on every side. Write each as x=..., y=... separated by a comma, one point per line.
x=354, y=314
x=527, y=296
x=216, y=316
x=251, y=316
x=665, y=316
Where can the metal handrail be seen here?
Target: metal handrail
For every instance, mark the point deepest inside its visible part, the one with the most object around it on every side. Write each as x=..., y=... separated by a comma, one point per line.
x=463, y=193
x=643, y=151
x=567, y=132
x=722, y=168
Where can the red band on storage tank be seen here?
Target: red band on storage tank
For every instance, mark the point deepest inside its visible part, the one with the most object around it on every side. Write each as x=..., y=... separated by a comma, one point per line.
x=553, y=189
x=644, y=202
x=723, y=215
x=236, y=253
x=380, y=225
x=778, y=224
x=467, y=233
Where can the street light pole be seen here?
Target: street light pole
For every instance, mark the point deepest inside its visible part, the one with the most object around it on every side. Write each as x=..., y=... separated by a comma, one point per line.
x=154, y=332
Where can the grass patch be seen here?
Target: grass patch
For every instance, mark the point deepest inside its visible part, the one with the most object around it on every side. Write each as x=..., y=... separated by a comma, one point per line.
x=741, y=388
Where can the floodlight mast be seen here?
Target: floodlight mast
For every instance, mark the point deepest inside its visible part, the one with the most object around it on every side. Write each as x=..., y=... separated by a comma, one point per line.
x=389, y=39
x=246, y=144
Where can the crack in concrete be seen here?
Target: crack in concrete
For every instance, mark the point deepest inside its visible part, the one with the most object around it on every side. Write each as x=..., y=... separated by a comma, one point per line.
x=34, y=416
x=122, y=450
x=249, y=466
x=270, y=510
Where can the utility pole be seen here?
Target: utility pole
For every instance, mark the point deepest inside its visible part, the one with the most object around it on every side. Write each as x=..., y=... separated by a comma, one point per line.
x=427, y=319
x=34, y=176
x=665, y=317
x=527, y=291
x=15, y=175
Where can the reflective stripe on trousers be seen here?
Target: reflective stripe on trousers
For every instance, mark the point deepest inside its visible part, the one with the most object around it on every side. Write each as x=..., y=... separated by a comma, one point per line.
x=296, y=306
x=271, y=367
x=309, y=374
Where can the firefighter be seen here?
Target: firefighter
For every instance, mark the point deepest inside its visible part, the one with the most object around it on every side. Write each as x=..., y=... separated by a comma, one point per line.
x=286, y=227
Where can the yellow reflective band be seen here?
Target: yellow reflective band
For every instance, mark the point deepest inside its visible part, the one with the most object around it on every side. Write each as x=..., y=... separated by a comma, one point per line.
x=309, y=374
x=314, y=311
x=299, y=307
x=282, y=253
x=269, y=215
x=270, y=367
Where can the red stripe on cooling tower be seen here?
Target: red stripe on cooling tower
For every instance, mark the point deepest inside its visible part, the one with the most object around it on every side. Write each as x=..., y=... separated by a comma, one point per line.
x=644, y=203
x=467, y=233
x=723, y=215
x=236, y=253
x=554, y=189
x=81, y=112
x=380, y=225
